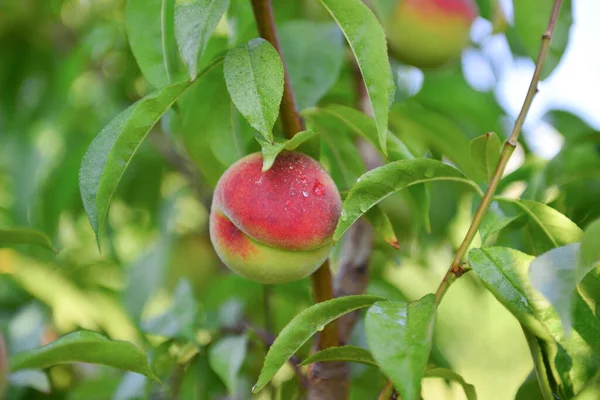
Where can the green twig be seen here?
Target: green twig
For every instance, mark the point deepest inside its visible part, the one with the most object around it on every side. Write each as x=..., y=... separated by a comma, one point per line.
x=456, y=270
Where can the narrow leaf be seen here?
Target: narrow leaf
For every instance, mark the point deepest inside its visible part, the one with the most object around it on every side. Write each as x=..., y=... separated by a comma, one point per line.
x=485, y=153
x=111, y=151
x=379, y=183
x=254, y=77
x=226, y=357
x=88, y=347
x=553, y=275
x=195, y=21
x=399, y=335
x=271, y=151
x=150, y=33
x=343, y=353
x=303, y=327
x=383, y=226
x=589, y=257
x=19, y=236
x=556, y=229
x=451, y=375
x=367, y=40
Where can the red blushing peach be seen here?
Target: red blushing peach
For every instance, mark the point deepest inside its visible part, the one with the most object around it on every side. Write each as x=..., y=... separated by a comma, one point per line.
x=429, y=33
x=274, y=226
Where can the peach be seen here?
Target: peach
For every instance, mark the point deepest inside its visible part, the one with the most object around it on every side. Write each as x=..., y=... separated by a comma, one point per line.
x=274, y=226
x=429, y=33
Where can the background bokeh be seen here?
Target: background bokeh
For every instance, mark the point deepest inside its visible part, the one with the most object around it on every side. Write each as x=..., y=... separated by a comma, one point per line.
x=66, y=69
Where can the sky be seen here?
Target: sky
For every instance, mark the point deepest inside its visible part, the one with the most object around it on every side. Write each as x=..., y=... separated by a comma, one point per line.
x=573, y=86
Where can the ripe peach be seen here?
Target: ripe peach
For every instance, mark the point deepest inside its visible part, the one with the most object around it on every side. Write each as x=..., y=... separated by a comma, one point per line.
x=429, y=33
x=274, y=226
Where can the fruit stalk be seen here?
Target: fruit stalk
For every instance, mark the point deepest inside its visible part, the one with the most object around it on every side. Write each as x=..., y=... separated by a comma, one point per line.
x=456, y=269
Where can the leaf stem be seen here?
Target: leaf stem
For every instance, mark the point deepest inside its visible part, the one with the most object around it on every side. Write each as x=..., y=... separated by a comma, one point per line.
x=456, y=270
x=292, y=124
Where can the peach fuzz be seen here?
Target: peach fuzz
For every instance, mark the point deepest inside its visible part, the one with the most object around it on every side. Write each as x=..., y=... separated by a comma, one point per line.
x=274, y=226
x=429, y=33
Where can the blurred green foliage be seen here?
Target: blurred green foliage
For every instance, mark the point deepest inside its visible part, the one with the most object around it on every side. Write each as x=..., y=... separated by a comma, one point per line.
x=67, y=68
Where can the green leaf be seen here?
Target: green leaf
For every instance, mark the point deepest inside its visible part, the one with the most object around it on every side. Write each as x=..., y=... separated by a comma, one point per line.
x=485, y=152
x=338, y=153
x=493, y=222
x=314, y=53
x=553, y=275
x=367, y=40
x=399, y=335
x=226, y=358
x=383, y=226
x=303, y=327
x=453, y=376
x=20, y=236
x=412, y=122
x=342, y=353
x=254, y=77
x=88, y=347
x=589, y=257
x=364, y=126
x=195, y=21
x=209, y=125
x=555, y=228
x=504, y=272
x=531, y=20
x=379, y=183
x=271, y=151
x=109, y=154
x=591, y=390
x=150, y=32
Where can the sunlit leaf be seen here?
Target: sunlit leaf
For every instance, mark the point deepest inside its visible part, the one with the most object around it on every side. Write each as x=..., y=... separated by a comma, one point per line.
x=379, y=183
x=505, y=272
x=485, y=152
x=399, y=336
x=313, y=53
x=342, y=353
x=226, y=357
x=451, y=375
x=555, y=229
x=303, y=327
x=254, y=77
x=88, y=347
x=553, y=274
x=21, y=236
x=589, y=257
x=271, y=151
x=195, y=21
x=367, y=40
